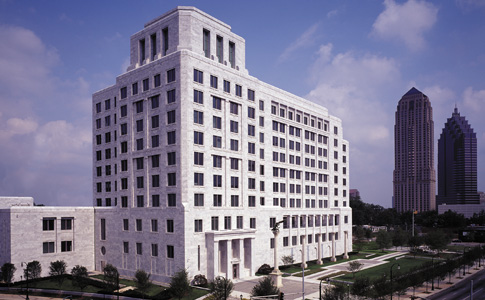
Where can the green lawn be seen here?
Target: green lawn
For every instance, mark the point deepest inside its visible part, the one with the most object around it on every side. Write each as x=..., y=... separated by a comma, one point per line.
x=66, y=286
x=314, y=268
x=406, y=265
x=195, y=293
x=123, y=282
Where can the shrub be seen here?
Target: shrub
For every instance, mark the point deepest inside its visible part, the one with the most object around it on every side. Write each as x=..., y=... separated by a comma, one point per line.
x=265, y=269
x=200, y=280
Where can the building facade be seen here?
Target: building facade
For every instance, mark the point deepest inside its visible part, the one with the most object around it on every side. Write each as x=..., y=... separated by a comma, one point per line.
x=45, y=234
x=457, y=163
x=414, y=175
x=195, y=160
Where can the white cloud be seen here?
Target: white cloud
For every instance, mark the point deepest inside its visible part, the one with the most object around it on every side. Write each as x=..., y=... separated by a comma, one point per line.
x=475, y=100
x=332, y=13
x=304, y=40
x=406, y=22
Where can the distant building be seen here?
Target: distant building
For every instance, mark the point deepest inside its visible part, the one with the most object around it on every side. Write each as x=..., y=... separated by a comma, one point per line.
x=457, y=163
x=414, y=174
x=354, y=193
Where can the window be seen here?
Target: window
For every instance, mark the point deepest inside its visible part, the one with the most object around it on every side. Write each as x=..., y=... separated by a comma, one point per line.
x=214, y=81
x=165, y=41
x=239, y=222
x=251, y=95
x=156, y=180
x=206, y=43
x=139, y=225
x=251, y=148
x=170, y=75
x=98, y=123
x=171, y=179
x=217, y=141
x=216, y=122
x=139, y=125
x=217, y=161
x=146, y=84
x=198, y=225
x=123, y=92
x=170, y=251
x=48, y=224
x=251, y=166
x=155, y=141
x=103, y=229
x=66, y=223
x=238, y=90
x=234, y=126
x=234, y=145
x=140, y=200
x=198, y=97
x=198, y=76
x=198, y=117
x=154, y=250
x=227, y=222
x=199, y=158
x=217, y=180
x=171, y=200
x=198, y=138
x=126, y=247
x=154, y=225
x=234, y=164
x=124, y=129
x=227, y=86
x=216, y=103
x=198, y=199
x=123, y=111
x=215, y=223
x=252, y=201
x=217, y=200
x=139, y=144
x=156, y=80
x=48, y=247
x=155, y=161
x=98, y=107
x=155, y=121
x=170, y=227
x=139, y=182
x=171, y=117
x=155, y=200
x=171, y=137
x=232, y=54
x=252, y=223
x=171, y=96
x=134, y=88
x=234, y=182
x=251, y=112
x=220, y=49
x=199, y=179
x=139, y=248
x=234, y=200
x=234, y=108
x=126, y=225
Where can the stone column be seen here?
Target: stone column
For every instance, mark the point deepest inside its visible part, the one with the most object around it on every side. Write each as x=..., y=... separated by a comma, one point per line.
x=276, y=274
x=319, y=254
x=346, y=255
x=333, y=248
x=217, y=259
x=228, y=259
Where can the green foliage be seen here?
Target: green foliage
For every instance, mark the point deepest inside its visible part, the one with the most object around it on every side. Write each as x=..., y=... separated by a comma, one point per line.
x=288, y=260
x=79, y=276
x=8, y=271
x=362, y=287
x=221, y=288
x=111, y=277
x=142, y=280
x=179, y=285
x=265, y=287
x=437, y=240
x=58, y=268
x=383, y=239
x=200, y=280
x=354, y=267
x=399, y=237
x=33, y=270
x=338, y=292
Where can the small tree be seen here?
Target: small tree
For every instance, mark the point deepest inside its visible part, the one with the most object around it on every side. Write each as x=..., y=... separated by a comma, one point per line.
x=436, y=240
x=58, y=268
x=383, y=240
x=111, y=277
x=221, y=288
x=354, y=267
x=265, y=287
x=179, y=285
x=79, y=276
x=142, y=280
x=287, y=260
x=8, y=271
x=361, y=287
x=200, y=280
x=33, y=270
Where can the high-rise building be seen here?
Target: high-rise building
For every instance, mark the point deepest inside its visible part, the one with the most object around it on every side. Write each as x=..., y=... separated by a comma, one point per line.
x=457, y=162
x=195, y=160
x=414, y=174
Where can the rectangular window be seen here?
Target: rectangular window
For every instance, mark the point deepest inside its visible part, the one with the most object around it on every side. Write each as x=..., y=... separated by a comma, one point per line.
x=134, y=88
x=66, y=223
x=234, y=145
x=198, y=199
x=239, y=222
x=126, y=225
x=165, y=41
x=171, y=96
x=170, y=227
x=217, y=103
x=215, y=223
x=216, y=122
x=227, y=86
x=251, y=112
x=199, y=179
x=170, y=75
x=217, y=200
x=198, y=97
x=198, y=138
x=171, y=179
x=238, y=90
x=217, y=180
x=171, y=137
x=217, y=161
x=155, y=141
x=234, y=200
x=139, y=248
x=171, y=117
x=206, y=43
x=155, y=200
x=198, y=158
x=103, y=229
x=140, y=201
x=216, y=141
x=123, y=92
x=232, y=54
x=154, y=225
x=198, y=76
x=142, y=51
x=214, y=81
x=171, y=200
x=198, y=225
x=252, y=223
x=48, y=247
x=220, y=49
x=227, y=222
x=154, y=250
x=48, y=224
x=198, y=117
x=156, y=80
x=146, y=84
x=126, y=247
x=251, y=95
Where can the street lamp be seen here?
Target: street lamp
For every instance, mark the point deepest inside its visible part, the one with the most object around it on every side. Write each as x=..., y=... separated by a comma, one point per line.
x=26, y=279
x=398, y=267
x=302, y=276
x=432, y=278
x=328, y=282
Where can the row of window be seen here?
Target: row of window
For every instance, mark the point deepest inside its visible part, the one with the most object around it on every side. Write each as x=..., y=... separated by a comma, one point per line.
x=49, y=224
x=309, y=239
x=170, y=250
x=206, y=47
x=50, y=247
x=154, y=43
x=309, y=221
x=145, y=86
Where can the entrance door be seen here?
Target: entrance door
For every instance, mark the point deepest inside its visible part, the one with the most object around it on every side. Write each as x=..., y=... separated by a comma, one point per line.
x=235, y=271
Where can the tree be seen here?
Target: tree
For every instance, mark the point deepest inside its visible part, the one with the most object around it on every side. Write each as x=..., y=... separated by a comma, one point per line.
x=79, y=276
x=221, y=288
x=58, y=268
x=33, y=270
x=436, y=240
x=111, y=277
x=200, y=280
x=265, y=287
x=414, y=242
x=179, y=285
x=142, y=280
x=383, y=239
x=361, y=287
x=288, y=260
x=354, y=267
x=399, y=238
x=8, y=271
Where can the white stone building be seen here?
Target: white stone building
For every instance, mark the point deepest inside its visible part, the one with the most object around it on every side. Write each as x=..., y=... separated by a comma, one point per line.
x=45, y=234
x=194, y=160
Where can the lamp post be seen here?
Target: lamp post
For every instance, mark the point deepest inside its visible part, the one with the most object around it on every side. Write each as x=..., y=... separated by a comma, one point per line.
x=398, y=267
x=302, y=276
x=432, y=275
x=26, y=279
x=464, y=265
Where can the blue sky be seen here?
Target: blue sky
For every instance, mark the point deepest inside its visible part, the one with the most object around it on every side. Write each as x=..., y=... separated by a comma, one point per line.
x=357, y=58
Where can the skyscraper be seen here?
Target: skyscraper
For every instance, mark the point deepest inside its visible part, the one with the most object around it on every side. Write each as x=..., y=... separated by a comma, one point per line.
x=414, y=173
x=195, y=160
x=457, y=162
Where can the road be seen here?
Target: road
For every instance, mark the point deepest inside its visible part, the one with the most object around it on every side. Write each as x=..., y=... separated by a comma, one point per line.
x=461, y=290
